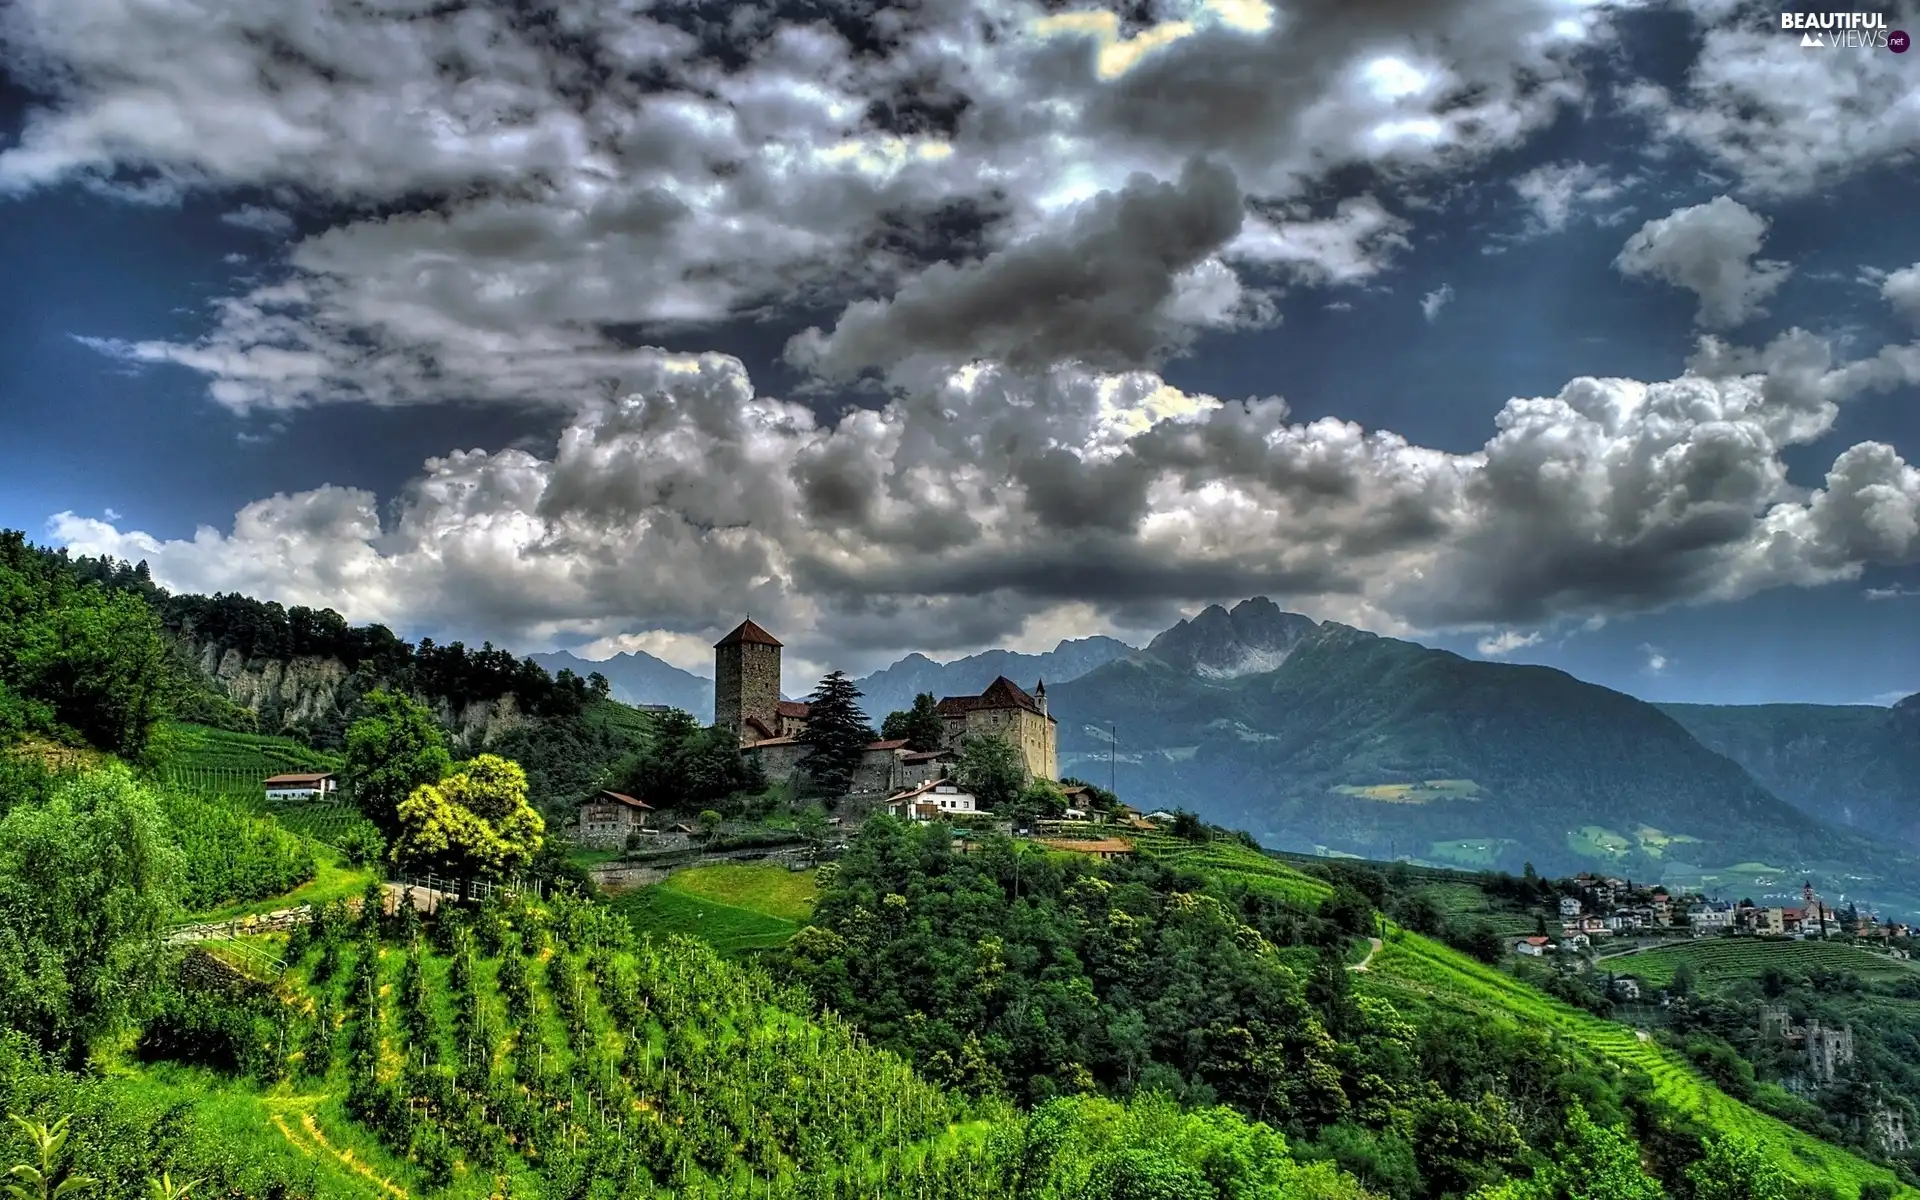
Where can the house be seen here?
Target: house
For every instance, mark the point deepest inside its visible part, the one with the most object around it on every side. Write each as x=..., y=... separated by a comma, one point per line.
x=1160, y=816
x=301, y=785
x=933, y=800
x=1627, y=988
x=1569, y=906
x=1573, y=942
x=1532, y=947
x=607, y=818
x=1007, y=710
x=1711, y=919
x=1101, y=848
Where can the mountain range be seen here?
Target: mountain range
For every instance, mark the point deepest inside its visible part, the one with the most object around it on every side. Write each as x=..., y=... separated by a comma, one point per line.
x=640, y=678
x=1319, y=737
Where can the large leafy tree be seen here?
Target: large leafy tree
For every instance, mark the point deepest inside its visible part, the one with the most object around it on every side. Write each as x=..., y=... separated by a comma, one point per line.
x=88, y=880
x=76, y=660
x=392, y=749
x=922, y=725
x=1592, y=1162
x=686, y=766
x=836, y=732
x=993, y=769
x=476, y=821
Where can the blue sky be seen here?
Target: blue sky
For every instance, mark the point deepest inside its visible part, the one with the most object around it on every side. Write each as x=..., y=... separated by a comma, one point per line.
x=488, y=332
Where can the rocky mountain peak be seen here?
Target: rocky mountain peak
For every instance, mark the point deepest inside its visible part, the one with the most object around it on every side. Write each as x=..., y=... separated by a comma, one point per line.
x=1256, y=636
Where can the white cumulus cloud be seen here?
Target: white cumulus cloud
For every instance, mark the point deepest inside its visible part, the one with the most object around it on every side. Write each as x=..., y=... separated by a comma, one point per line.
x=1710, y=250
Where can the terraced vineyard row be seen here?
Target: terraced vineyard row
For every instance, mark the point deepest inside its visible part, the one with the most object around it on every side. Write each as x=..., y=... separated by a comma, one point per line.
x=202, y=747
x=1746, y=957
x=541, y=1045
x=1231, y=860
x=1434, y=973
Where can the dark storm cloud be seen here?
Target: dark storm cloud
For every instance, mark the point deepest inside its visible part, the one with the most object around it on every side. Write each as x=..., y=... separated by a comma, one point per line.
x=1096, y=292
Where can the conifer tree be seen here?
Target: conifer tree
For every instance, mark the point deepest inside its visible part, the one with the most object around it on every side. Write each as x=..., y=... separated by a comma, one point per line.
x=922, y=725
x=836, y=732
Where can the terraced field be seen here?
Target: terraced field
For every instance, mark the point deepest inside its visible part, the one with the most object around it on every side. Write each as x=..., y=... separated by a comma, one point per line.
x=1231, y=860
x=201, y=751
x=1418, y=971
x=1717, y=960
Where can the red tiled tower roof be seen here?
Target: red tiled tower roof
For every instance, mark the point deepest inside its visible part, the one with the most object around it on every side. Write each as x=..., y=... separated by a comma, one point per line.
x=750, y=633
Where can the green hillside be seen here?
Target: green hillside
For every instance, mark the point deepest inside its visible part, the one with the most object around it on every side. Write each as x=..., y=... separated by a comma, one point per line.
x=1418, y=972
x=1716, y=960
x=1372, y=746
x=734, y=909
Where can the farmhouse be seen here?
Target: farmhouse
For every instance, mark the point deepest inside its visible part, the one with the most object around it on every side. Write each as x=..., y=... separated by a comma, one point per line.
x=933, y=800
x=746, y=700
x=609, y=817
x=1532, y=947
x=301, y=785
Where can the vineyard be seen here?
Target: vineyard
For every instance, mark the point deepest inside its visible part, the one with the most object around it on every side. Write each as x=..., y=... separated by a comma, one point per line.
x=217, y=764
x=1416, y=971
x=202, y=748
x=1233, y=861
x=544, y=1046
x=1720, y=959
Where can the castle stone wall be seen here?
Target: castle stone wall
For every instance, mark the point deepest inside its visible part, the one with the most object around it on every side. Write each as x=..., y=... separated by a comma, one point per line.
x=746, y=683
x=1032, y=734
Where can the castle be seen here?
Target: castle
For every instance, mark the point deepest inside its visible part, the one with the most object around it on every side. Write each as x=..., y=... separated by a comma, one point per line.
x=746, y=700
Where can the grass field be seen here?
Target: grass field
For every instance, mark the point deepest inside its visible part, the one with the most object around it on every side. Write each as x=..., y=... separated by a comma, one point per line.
x=1463, y=901
x=735, y=909
x=1413, y=793
x=1480, y=853
x=1720, y=959
x=1416, y=971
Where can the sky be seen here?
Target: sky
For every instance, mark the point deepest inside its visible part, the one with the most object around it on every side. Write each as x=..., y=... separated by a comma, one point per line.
x=1551, y=331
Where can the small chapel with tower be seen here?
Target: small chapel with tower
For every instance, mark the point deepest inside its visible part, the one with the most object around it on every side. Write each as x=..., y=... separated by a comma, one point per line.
x=746, y=700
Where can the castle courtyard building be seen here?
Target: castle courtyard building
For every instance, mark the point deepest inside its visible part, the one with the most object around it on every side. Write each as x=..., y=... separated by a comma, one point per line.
x=746, y=701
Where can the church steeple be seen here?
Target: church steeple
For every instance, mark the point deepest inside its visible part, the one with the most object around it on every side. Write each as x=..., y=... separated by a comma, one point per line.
x=1040, y=696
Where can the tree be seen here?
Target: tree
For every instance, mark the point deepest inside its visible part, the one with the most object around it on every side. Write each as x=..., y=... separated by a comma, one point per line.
x=993, y=769
x=88, y=880
x=475, y=821
x=710, y=822
x=1189, y=827
x=835, y=734
x=811, y=824
x=922, y=725
x=393, y=749
x=1735, y=1168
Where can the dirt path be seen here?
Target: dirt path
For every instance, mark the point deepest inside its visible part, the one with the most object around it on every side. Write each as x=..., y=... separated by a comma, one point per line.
x=1373, y=948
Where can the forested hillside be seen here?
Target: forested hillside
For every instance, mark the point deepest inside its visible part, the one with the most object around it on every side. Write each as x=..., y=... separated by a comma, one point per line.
x=1369, y=745
x=1849, y=765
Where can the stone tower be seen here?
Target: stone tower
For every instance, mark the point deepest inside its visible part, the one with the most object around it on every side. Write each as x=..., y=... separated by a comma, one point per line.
x=746, y=682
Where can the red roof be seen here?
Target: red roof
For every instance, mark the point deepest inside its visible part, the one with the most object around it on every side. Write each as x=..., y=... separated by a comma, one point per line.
x=920, y=756
x=749, y=633
x=623, y=798
x=298, y=777
x=793, y=708
x=1001, y=693
x=895, y=744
